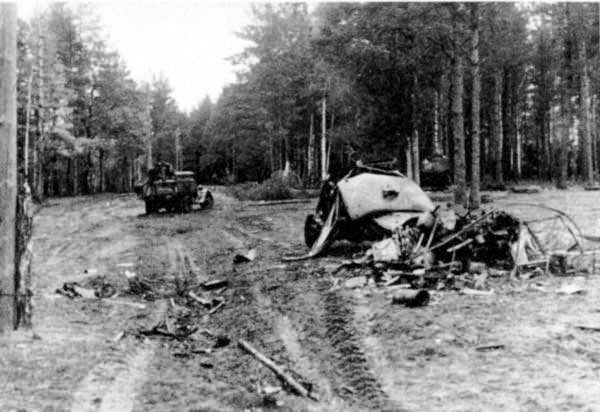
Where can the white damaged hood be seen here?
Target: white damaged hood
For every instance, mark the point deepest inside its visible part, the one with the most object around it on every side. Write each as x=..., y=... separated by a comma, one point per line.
x=369, y=193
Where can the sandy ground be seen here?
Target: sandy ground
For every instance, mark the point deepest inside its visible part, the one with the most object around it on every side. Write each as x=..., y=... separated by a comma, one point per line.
x=357, y=350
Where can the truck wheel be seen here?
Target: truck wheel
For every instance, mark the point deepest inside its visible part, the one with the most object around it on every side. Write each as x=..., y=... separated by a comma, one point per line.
x=208, y=201
x=312, y=230
x=149, y=206
x=185, y=205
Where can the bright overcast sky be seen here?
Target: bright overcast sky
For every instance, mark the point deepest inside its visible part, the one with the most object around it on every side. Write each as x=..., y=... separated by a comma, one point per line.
x=188, y=41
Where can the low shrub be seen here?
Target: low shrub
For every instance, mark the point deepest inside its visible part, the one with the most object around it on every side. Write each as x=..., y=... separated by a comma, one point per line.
x=270, y=189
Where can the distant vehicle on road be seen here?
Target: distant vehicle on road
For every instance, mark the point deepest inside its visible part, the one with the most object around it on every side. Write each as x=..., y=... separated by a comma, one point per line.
x=436, y=172
x=174, y=191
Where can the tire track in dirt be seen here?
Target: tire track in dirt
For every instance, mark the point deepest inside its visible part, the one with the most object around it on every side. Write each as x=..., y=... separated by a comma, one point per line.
x=114, y=386
x=351, y=360
x=302, y=362
x=376, y=352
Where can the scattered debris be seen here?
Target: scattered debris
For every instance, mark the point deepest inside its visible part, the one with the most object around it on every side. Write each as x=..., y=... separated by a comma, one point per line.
x=356, y=282
x=587, y=327
x=442, y=247
x=570, y=289
x=288, y=379
x=249, y=256
x=475, y=292
x=211, y=303
x=73, y=290
x=215, y=284
x=119, y=336
x=411, y=298
x=138, y=286
x=491, y=346
x=167, y=329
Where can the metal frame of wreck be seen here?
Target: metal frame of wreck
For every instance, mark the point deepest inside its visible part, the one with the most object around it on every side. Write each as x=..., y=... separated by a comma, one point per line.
x=524, y=224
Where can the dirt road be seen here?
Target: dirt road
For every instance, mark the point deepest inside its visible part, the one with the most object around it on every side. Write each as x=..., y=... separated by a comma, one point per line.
x=358, y=351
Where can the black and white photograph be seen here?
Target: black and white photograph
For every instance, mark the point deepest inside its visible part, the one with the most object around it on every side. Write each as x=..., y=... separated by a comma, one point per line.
x=248, y=206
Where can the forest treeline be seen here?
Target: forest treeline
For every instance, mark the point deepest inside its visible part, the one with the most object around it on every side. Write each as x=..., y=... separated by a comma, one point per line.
x=504, y=90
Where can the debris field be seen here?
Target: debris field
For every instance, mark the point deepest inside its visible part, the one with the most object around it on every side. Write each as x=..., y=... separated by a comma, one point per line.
x=209, y=310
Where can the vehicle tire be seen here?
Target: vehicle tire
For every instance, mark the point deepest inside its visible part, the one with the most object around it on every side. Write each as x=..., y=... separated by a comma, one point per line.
x=208, y=201
x=312, y=230
x=149, y=206
x=187, y=204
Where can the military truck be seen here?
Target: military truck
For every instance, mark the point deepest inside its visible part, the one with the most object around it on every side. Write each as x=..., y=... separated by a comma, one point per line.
x=174, y=191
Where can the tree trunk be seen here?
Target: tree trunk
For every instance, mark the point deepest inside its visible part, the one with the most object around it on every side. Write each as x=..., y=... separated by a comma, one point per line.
x=415, y=131
x=8, y=165
x=38, y=177
x=436, y=123
x=443, y=117
x=496, y=127
x=518, y=154
x=460, y=191
x=563, y=156
x=75, y=175
x=101, y=169
x=324, y=140
x=311, y=149
x=408, y=154
x=178, y=161
x=149, y=162
x=584, y=99
x=475, y=96
x=27, y=127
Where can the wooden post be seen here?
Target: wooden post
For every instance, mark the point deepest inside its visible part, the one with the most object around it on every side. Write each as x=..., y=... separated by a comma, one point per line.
x=8, y=163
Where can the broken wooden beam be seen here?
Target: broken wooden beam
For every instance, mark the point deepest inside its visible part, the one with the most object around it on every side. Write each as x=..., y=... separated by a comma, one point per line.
x=293, y=383
x=459, y=246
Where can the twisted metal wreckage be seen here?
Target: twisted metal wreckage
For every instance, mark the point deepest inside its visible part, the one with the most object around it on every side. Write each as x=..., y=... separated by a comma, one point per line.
x=415, y=240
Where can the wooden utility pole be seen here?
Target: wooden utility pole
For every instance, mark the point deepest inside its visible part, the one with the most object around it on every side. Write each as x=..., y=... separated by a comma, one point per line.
x=324, y=140
x=8, y=163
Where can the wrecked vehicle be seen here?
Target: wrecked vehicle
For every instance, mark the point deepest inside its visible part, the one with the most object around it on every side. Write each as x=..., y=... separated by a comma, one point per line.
x=412, y=241
x=436, y=172
x=368, y=203
x=174, y=191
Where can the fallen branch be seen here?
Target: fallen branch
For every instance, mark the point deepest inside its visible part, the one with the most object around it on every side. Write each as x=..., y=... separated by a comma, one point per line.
x=590, y=328
x=293, y=383
x=280, y=202
x=491, y=346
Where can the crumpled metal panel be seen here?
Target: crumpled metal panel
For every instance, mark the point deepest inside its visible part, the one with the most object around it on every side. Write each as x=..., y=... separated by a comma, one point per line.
x=368, y=193
x=395, y=220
